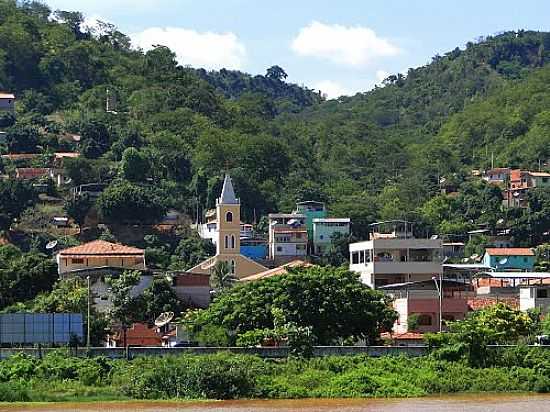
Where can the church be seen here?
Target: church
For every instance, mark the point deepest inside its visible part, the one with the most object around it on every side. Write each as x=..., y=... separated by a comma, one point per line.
x=228, y=242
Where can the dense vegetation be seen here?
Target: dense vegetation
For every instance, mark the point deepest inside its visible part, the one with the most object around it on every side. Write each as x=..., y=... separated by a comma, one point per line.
x=173, y=131
x=58, y=377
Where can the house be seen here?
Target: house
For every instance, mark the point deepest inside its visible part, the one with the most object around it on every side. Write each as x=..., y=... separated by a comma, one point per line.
x=100, y=254
x=324, y=229
x=288, y=236
x=499, y=175
x=536, y=296
x=522, y=259
x=421, y=299
x=192, y=288
x=31, y=173
x=98, y=260
x=521, y=181
x=7, y=102
x=228, y=216
x=394, y=255
x=311, y=209
x=139, y=334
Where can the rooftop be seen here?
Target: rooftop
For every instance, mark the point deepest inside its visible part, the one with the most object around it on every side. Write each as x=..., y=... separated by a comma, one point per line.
x=7, y=96
x=332, y=220
x=509, y=251
x=102, y=248
x=281, y=270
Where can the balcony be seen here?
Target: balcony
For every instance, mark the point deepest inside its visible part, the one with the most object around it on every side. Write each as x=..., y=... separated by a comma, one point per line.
x=398, y=268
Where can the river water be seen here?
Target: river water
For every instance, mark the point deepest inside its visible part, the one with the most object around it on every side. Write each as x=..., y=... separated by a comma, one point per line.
x=467, y=403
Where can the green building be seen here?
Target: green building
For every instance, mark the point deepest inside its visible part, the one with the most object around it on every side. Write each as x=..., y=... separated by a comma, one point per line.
x=324, y=229
x=312, y=210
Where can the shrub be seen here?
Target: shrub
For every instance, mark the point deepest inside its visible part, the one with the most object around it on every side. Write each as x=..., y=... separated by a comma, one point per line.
x=14, y=392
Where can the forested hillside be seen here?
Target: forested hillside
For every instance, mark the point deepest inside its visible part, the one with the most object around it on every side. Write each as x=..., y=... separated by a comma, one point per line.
x=173, y=131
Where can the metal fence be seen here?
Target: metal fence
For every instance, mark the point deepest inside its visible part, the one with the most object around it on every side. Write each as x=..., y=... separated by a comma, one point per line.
x=40, y=328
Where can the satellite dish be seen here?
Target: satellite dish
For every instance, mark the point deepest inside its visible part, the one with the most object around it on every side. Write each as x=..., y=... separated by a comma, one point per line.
x=51, y=245
x=503, y=261
x=434, y=237
x=164, y=318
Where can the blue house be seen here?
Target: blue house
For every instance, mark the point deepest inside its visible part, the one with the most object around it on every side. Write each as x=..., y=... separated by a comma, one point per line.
x=522, y=259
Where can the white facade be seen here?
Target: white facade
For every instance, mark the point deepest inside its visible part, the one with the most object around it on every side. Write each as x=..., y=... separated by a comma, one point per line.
x=210, y=231
x=395, y=260
x=535, y=297
x=287, y=235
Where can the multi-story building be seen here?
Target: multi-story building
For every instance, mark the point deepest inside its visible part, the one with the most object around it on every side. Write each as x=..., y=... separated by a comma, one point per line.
x=421, y=300
x=394, y=255
x=311, y=209
x=520, y=182
x=288, y=236
x=323, y=231
x=499, y=175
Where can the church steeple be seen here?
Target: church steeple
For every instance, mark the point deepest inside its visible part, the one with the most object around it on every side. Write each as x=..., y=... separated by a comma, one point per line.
x=228, y=194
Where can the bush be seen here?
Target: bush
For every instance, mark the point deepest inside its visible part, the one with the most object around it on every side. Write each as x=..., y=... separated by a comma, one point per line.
x=14, y=392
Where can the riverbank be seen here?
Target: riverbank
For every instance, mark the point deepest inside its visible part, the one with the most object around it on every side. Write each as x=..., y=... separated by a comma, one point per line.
x=455, y=403
x=57, y=377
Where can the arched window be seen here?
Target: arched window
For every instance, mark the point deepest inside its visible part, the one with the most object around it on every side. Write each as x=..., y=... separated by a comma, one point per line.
x=232, y=242
x=232, y=267
x=226, y=242
x=229, y=217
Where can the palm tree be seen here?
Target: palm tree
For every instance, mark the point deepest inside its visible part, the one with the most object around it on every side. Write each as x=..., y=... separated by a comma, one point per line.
x=221, y=277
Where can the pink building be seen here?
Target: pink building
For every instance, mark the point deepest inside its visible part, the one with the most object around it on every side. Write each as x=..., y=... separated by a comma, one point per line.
x=421, y=299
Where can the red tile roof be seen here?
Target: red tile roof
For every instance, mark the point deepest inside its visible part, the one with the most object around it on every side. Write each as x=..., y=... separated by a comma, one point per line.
x=102, y=248
x=30, y=172
x=20, y=156
x=510, y=251
x=403, y=336
x=479, y=302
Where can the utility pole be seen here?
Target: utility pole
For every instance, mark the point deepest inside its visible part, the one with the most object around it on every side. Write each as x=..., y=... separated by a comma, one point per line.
x=88, y=319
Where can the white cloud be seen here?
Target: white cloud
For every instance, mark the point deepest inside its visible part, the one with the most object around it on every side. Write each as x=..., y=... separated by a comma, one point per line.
x=351, y=46
x=207, y=50
x=332, y=89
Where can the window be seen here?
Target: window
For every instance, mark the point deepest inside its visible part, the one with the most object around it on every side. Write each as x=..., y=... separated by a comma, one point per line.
x=542, y=293
x=362, y=256
x=232, y=267
x=449, y=317
x=232, y=242
x=525, y=260
x=300, y=247
x=424, y=320
x=229, y=217
x=226, y=242
x=355, y=258
x=321, y=237
x=77, y=261
x=279, y=249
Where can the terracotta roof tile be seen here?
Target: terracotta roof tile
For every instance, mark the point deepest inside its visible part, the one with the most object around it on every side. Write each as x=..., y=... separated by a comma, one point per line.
x=510, y=251
x=103, y=248
x=30, y=172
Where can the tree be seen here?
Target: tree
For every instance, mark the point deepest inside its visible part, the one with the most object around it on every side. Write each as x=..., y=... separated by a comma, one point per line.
x=78, y=208
x=127, y=308
x=276, y=73
x=134, y=166
x=22, y=139
x=221, y=277
x=494, y=325
x=123, y=201
x=15, y=197
x=26, y=276
x=192, y=250
x=333, y=302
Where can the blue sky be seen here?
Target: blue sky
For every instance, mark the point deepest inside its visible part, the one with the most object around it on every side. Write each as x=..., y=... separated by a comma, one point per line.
x=341, y=47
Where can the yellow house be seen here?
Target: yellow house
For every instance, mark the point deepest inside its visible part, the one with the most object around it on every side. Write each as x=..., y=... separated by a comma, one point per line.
x=228, y=244
x=99, y=254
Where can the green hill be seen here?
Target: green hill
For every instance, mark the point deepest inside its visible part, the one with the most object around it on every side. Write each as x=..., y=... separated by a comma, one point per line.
x=173, y=131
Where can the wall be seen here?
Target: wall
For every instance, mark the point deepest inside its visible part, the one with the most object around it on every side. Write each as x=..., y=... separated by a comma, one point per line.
x=65, y=264
x=513, y=262
x=255, y=252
